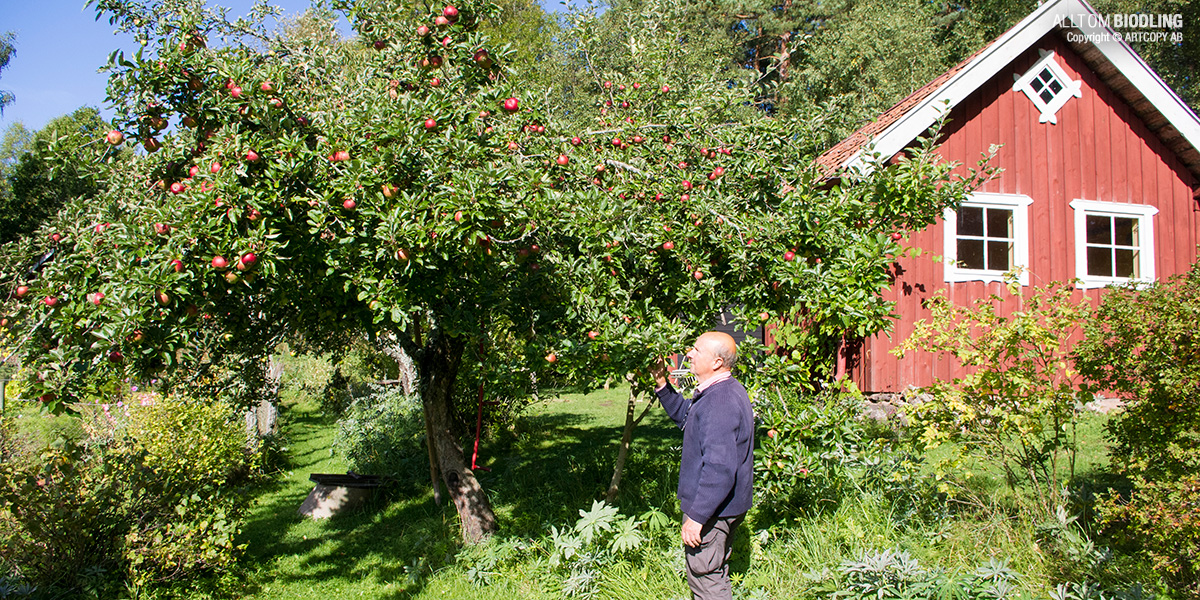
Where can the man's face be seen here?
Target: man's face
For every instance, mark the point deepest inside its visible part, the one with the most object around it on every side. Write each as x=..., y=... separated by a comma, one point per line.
x=703, y=360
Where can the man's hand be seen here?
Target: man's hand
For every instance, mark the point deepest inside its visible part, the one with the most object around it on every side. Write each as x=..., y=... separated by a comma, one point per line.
x=658, y=370
x=691, y=532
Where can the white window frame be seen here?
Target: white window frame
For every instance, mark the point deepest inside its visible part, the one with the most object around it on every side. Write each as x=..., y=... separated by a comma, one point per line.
x=1019, y=204
x=1144, y=213
x=1071, y=88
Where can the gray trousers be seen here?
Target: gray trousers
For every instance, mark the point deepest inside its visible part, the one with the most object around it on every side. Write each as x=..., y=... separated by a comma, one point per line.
x=708, y=563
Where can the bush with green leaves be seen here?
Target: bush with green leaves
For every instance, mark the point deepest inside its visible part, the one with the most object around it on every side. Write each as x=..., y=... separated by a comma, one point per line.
x=806, y=452
x=191, y=444
x=1161, y=519
x=1142, y=345
x=143, y=500
x=1014, y=405
x=817, y=450
x=383, y=433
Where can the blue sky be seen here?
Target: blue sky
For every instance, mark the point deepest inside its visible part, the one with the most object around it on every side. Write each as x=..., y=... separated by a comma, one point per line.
x=60, y=45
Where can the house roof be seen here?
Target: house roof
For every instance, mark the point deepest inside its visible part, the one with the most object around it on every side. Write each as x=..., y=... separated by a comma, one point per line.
x=1163, y=111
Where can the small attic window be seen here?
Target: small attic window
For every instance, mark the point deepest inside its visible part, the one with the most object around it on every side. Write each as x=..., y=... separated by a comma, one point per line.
x=1048, y=86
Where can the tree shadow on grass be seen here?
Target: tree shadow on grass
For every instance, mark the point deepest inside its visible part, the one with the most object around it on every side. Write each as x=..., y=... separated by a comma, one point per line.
x=391, y=542
x=543, y=470
x=549, y=466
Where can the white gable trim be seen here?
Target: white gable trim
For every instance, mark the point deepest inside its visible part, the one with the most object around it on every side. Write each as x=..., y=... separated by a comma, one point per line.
x=1002, y=52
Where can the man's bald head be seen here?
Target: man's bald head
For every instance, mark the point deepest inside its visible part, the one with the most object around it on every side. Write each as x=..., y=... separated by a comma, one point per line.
x=720, y=345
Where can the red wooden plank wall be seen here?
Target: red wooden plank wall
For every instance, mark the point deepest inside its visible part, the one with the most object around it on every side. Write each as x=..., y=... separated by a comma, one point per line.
x=1099, y=150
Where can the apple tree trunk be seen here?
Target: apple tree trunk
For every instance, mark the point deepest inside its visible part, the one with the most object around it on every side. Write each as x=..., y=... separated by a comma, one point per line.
x=614, y=486
x=439, y=366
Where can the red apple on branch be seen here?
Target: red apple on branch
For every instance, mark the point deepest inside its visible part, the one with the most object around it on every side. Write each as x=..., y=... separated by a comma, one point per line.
x=219, y=262
x=22, y=291
x=512, y=104
x=349, y=204
x=114, y=137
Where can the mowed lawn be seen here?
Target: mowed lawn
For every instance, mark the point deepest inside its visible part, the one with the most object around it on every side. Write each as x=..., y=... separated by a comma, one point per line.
x=556, y=459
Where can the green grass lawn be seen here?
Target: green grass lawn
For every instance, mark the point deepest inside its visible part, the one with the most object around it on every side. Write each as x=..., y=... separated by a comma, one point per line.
x=553, y=461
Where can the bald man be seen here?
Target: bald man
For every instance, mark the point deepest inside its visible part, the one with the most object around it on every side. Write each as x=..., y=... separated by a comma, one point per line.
x=717, y=467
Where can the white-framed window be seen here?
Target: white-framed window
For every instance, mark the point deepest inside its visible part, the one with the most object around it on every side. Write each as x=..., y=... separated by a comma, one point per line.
x=986, y=237
x=1048, y=86
x=1114, y=242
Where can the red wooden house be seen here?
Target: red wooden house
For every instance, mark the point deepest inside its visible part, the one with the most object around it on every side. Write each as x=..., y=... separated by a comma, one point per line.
x=1101, y=175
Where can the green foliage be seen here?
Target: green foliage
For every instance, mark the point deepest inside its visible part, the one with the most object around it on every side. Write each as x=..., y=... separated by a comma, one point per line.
x=383, y=433
x=817, y=451
x=1073, y=553
x=581, y=555
x=1015, y=406
x=867, y=56
x=1141, y=344
x=6, y=53
x=79, y=508
x=16, y=141
x=1161, y=519
x=58, y=163
x=140, y=500
x=888, y=575
x=806, y=451
x=195, y=445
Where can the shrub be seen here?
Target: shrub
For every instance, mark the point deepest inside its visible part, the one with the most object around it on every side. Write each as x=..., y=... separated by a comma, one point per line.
x=805, y=452
x=383, y=433
x=1015, y=407
x=140, y=501
x=1142, y=344
x=190, y=443
x=1163, y=519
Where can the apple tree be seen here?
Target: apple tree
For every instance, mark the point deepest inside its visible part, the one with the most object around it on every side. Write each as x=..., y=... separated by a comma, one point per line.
x=403, y=184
